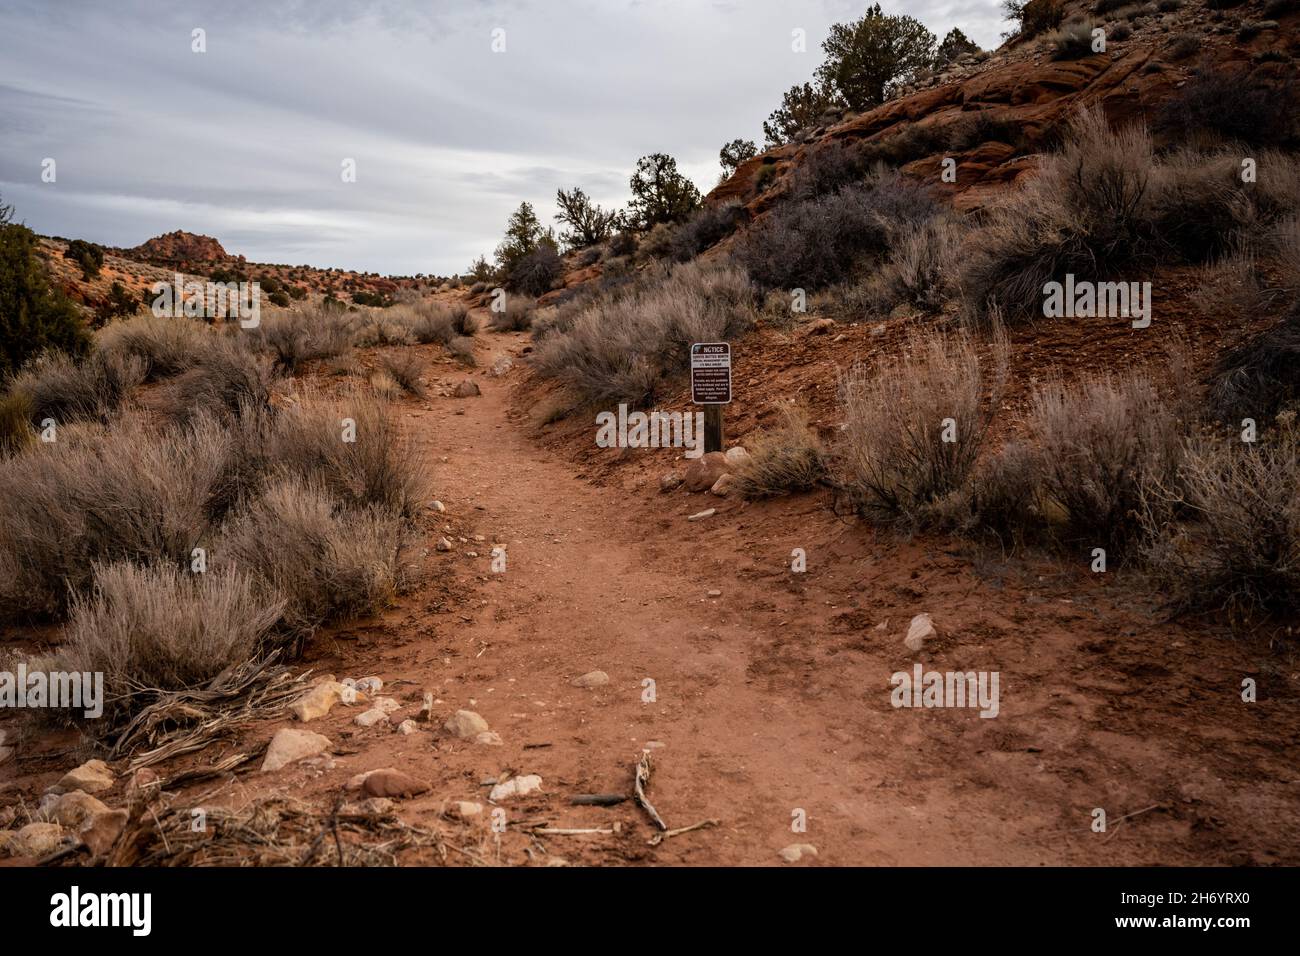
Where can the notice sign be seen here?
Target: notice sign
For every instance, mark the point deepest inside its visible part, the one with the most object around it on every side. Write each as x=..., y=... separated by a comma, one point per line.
x=711, y=373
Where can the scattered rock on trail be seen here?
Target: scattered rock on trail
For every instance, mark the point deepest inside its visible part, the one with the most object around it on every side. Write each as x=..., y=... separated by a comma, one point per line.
x=701, y=515
x=389, y=782
x=101, y=832
x=465, y=724
x=371, y=717
x=715, y=593
x=93, y=776
x=288, y=746
x=797, y=851
x=370, y=685
x=670, y=482
x=438, y=506
x=465, y=809
x=918, y=632
x=591, y=679
x=515, y=787
x=443, y=545
x=466, y=389
x=502, y=365
x=75, y=808
x=819, y=326
x=737, y=456
x=408, y=727
x=489, y=738
x=724, y=485
x=426, y=707
x=706, y=470
x=318, y=701
x=35, y=839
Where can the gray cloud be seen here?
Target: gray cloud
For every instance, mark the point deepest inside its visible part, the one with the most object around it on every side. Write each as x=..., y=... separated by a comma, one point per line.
x=245, y=141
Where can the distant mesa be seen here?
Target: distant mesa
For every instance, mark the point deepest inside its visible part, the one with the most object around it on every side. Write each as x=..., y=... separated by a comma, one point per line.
x=180, y=248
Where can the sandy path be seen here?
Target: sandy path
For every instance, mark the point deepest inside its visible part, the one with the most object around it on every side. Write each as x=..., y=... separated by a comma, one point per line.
x=774, y=697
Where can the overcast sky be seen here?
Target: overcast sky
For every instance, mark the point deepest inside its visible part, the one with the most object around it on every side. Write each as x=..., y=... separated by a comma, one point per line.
x=246, y=141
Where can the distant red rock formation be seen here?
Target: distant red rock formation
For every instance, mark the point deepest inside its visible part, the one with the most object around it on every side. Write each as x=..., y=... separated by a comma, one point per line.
x=179, y=247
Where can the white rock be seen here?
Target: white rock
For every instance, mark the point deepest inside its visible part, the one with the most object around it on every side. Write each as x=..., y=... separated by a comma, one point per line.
x=370, y=685
x=290, y=745
x=465, y=724
x=737, y=456
x=371, y=717
x=920, y=630
x=591, y=679
x=93, y=776
x=701, y=515
x=489, y=738
x=797, y=851
x=515, y=787
x=438, y=506
x=387, y=704
x=465, y=809
x=443, y=544
x=715, y=594
x=408, y=727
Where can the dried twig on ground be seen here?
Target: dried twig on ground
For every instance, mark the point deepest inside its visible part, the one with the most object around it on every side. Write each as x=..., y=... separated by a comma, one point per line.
x=180, y=722
x=702, y=825
x=643, y=781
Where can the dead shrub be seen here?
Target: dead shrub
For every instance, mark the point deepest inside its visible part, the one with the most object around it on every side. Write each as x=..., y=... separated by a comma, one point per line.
x=817, y=242
x=405, y=369
x=515, y=315
x=228, y=377
x=167, y=345
x=461, y=349
x=128, y=493
x=353, y=447
x=1261, y=376
x=297, y=337
x=1072, y=41
x=324, y=560
x=786, y=458
x=920, y=270
x=1240, y=548
x=162, y=628
x=1101, y=443
x=66, y=389
x=914, y=426
x=15, y=423
x=1087, y=212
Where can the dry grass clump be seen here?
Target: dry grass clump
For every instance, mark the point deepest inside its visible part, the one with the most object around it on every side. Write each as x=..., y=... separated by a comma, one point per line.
x=921, y=270
x=915, y=426
x=15, y=423
x=103, y=494
x=227, y=378
x=1072, y=41
x=324, y=560
x=293, y=338
x=65, y=389
x=1087, y=212
x=1241, y=549
x=788, y=457
x=514, y=315
x=380, y=328
x=816, y=242
x=461, y=349
x=159, y=627
x=621, y=345
x=436, y=322
x=167, y=345
x=405, y=370
x=1258, y=378
x=353, y=447
x=1101, y=443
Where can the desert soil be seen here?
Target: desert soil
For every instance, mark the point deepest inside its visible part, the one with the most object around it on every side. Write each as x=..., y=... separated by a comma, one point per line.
x=774, y=696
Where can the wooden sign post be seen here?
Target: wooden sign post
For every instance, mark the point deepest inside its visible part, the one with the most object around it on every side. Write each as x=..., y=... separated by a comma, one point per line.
x=711, y=387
